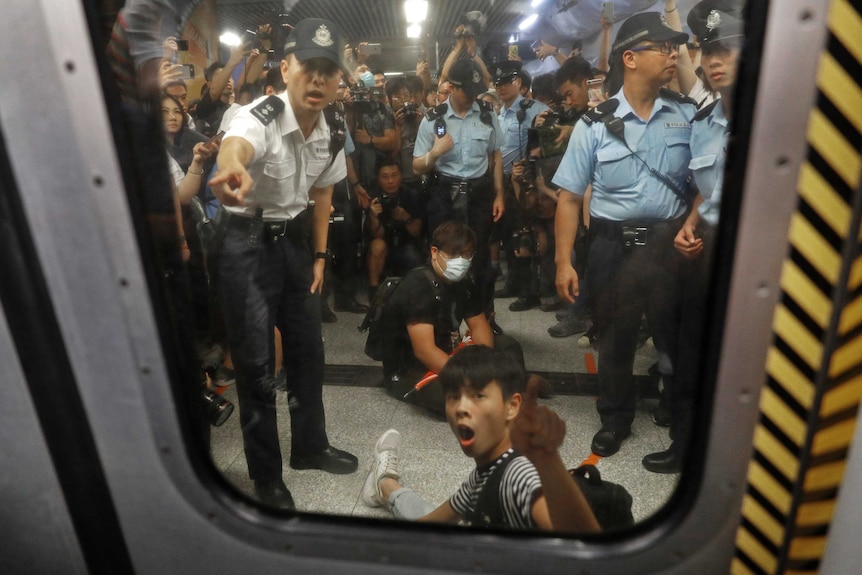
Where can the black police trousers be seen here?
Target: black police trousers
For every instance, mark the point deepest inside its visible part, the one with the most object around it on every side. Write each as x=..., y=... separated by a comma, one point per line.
x=625, y=283
x=265, y=286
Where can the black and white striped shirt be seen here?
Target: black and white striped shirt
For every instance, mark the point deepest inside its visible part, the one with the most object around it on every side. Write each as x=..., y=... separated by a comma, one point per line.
x=519, y=486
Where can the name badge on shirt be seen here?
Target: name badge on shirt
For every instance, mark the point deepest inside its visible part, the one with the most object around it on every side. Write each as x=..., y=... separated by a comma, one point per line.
x=677, y=125
x=321, y=151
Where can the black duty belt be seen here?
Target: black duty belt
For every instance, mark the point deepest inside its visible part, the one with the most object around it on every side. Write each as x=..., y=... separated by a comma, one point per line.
x=295, y=228
x=633, y=233
x=465, y=184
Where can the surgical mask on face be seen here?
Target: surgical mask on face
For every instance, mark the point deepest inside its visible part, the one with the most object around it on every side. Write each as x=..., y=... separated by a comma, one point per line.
x=367, y=79
x=456, y=269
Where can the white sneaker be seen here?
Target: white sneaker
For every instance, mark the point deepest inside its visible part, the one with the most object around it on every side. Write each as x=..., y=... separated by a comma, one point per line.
x=386, y=452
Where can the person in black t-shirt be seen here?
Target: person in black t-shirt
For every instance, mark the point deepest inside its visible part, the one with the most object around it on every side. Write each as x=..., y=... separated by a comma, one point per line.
x=421, y=322
x=394, y=225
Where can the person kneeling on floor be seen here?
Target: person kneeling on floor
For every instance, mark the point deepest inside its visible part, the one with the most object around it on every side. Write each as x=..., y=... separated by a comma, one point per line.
x=421, y=322
x=520, y=480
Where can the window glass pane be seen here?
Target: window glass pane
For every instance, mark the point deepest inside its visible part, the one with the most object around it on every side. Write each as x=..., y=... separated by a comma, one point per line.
x=296, y=157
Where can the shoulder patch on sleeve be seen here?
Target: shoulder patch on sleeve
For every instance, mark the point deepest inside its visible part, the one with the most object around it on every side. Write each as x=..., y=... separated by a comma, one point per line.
x=705, y=111
x=268, y=110
x=600, y=112
x=676, y=96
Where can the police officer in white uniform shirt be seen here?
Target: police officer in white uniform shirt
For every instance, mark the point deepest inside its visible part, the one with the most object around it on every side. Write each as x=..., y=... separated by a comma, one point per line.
x=634, y=151
x=275, y=179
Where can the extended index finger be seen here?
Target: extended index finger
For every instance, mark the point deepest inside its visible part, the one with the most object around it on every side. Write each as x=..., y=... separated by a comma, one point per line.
x=535, y=384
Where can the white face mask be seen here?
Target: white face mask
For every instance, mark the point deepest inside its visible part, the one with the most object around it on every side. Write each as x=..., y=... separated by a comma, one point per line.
x=456, y=269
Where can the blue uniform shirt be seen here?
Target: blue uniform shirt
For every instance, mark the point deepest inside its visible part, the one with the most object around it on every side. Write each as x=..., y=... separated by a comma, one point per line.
x=514, y=145
x=708, y=151
x=474, y=141
x=623, y=187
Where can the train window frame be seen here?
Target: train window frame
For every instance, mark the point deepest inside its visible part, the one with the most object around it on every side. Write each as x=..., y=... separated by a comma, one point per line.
x=98, y=281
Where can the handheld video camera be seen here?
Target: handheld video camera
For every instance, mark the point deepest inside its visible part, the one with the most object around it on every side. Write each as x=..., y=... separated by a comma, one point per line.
x=473, y=23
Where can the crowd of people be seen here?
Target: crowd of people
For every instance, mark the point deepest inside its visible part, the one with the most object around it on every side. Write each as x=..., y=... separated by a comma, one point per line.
x=596, y=189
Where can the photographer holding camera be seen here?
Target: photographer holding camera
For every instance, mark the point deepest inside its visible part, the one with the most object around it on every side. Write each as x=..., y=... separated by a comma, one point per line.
x=394, y=225
x=407, y=118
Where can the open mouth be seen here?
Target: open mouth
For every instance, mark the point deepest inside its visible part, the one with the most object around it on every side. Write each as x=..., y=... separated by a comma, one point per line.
x=465, y=435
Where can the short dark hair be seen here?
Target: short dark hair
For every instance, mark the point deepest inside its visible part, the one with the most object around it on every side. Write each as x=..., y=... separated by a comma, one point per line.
x=414, y=84
x=477, y=365
x=177, y=82
x=274, y=79
x=385, y=162
x=212, y=69
x=545, y=89
x=396, y=85
x=453, y=238
x=574, y=70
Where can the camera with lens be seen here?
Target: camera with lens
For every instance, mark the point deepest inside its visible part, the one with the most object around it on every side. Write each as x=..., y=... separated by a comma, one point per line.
x=524, y=241
x=471, y=24
x=528, y=178
x=362, y=102
x=410, y=110
x=217, y=408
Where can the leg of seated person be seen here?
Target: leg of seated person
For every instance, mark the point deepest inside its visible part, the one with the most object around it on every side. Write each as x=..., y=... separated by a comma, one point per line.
x=403, y=502
x=377, y=251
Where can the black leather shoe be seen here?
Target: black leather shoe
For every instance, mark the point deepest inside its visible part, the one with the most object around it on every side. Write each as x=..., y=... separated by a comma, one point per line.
x=352, y=307
x=330, y=460
x=661, y=416
x=524, y=303
x=669, y=461
x=607, y=441
x=274, y=494
x=326, y=314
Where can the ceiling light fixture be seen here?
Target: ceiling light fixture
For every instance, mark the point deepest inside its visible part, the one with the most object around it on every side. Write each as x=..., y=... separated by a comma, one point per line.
x=230, y=39
x=528, y=22
x=414, y=31
x=415, y=11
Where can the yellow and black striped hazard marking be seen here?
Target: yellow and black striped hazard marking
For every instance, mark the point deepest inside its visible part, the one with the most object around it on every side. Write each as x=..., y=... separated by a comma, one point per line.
x=810, y=400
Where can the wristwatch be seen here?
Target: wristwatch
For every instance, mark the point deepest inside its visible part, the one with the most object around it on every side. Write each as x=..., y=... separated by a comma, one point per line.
x=322, y=255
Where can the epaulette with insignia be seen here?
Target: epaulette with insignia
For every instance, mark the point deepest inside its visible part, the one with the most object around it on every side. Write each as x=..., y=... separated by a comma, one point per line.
x=268, y=110
x=337, y=130
x=705, y=111
x=436, y=112
x=604, y=110
x=676, y=96
x=485, y=111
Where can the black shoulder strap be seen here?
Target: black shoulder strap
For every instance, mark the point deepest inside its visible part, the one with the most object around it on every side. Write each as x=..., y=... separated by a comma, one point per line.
x=487, y=507
x=337, y=130
x=604, y=112
x=676, y=96
x=704, y=112
x=485, y=111
x=436, y=112
x=268, y=110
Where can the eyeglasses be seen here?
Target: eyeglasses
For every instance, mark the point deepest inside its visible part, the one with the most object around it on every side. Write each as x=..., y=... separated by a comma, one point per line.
x=666, y=48
x=467, y=257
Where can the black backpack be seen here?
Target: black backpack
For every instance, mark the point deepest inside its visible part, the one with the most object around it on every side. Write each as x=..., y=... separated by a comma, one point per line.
x=610, y=502
x=373, y=320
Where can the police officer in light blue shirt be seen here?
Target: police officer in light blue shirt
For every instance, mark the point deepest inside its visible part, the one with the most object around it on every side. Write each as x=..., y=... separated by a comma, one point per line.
x=634, y=151
x=710, y=132
x=516, y=118
x=458, y=145
x=516, y=114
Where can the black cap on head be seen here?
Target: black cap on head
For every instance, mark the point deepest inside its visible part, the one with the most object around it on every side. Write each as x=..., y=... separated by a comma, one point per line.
x=506, y=71
x=466, y=75
x=721, y=27
x=698, y=14
x=315, y=38
x=646, y=26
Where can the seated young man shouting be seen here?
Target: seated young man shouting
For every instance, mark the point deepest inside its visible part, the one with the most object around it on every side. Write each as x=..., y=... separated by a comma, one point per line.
x=520, y=480
x=421, y=322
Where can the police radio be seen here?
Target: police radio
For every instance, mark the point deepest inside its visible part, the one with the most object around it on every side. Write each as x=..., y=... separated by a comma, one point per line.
x=440, y=127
